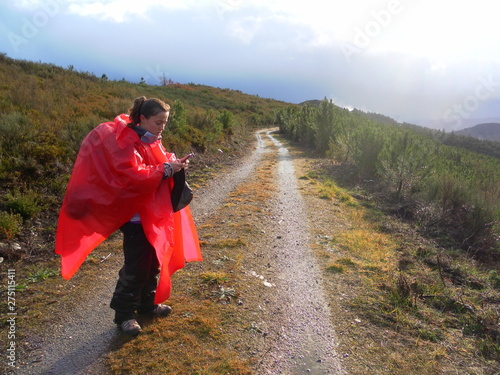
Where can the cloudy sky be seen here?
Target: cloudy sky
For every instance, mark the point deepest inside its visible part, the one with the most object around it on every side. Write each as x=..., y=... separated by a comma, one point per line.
x=433, y=63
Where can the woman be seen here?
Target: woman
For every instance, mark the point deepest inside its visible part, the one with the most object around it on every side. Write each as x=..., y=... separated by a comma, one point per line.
x=122, y=178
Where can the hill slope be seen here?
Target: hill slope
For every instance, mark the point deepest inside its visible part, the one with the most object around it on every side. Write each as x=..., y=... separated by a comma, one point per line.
x=488, y=131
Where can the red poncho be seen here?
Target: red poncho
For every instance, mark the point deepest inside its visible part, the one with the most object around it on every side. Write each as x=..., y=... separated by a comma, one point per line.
x=115, y=176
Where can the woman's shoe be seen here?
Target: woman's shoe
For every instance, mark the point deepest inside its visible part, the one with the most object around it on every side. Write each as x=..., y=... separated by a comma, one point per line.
x=161, y=310
x=130, y=327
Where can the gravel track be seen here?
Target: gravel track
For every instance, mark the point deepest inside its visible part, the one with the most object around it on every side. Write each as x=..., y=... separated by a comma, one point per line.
x=301, y=339
x=298, y=318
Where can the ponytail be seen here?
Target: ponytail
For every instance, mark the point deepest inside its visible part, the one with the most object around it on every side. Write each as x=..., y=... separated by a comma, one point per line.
x=147, y=108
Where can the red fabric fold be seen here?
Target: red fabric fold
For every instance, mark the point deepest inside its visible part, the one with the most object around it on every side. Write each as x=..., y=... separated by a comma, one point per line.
x=115, y=176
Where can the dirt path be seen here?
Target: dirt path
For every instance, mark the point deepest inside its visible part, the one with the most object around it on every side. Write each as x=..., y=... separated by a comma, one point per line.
x=301, y=337
x=300, y=334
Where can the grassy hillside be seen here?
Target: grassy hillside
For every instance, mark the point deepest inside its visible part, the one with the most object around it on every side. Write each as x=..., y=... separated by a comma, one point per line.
x=452, y=192
x=468, y=139
x=45, y=111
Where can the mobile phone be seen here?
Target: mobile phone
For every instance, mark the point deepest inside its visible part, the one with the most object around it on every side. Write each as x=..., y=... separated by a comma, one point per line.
x=183, y=160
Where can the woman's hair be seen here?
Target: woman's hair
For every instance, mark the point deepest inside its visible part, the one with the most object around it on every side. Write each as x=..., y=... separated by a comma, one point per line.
x=146, y=107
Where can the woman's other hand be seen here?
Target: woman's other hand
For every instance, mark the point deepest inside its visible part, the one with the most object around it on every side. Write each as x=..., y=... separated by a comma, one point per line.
x=177, y=165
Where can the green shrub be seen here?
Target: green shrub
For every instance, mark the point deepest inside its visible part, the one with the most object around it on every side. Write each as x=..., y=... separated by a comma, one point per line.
x=72, y=133
x=46, y=148
x=14, y=129
x=25, y=204
x=10, y=224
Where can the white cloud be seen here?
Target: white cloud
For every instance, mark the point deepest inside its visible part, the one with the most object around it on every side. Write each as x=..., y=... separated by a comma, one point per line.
x=121, y=10
x=446, y=30
x=115, y=10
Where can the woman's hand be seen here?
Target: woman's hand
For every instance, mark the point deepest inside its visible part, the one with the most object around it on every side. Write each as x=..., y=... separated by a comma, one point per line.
x=177, y=165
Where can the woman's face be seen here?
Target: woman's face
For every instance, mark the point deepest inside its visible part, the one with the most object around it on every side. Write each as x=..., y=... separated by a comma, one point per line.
x=154, y=124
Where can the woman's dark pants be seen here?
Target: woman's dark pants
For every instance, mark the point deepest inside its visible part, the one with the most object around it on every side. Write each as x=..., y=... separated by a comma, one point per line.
x=138, y=278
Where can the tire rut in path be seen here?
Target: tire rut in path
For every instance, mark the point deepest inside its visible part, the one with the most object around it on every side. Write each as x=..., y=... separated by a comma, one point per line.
x=303, y=336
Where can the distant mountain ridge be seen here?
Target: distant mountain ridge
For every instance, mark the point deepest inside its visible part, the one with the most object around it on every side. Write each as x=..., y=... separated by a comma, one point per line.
x=488, y=131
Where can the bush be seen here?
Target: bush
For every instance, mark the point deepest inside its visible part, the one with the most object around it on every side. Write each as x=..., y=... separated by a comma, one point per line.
x=26, y=205
x=72, y=133
x=14, y=129
x=10, y=224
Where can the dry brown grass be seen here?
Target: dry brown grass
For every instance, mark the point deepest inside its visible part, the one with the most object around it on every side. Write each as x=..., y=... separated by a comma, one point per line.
x=191, y=341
